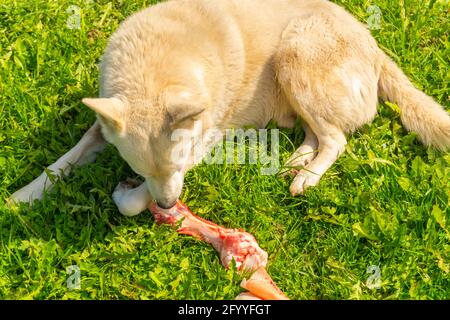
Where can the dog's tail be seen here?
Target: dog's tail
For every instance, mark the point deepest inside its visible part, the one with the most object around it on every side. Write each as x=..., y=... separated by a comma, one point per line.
x=419, y=112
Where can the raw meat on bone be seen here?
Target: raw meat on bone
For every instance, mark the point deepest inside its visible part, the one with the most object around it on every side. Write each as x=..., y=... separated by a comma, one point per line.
x=232, y=244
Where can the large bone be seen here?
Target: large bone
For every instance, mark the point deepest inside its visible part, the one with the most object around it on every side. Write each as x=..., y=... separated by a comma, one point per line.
x=231, y=244
x=261, y=287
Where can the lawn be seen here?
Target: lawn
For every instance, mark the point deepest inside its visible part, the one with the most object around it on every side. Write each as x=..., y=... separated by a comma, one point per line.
x=385, y=203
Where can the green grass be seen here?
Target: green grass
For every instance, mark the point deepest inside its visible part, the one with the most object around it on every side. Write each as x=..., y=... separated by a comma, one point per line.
x=385, y=202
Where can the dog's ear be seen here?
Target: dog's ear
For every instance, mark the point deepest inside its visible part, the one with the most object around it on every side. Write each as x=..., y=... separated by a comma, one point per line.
x=110, y=109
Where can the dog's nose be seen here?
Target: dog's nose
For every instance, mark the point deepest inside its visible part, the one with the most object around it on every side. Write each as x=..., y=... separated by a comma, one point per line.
x=166, y=204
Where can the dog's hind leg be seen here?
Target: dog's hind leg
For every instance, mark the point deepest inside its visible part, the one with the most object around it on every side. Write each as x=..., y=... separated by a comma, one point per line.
x=330, y=78
x=83, y=152
x=331, y=145
x=305, y=153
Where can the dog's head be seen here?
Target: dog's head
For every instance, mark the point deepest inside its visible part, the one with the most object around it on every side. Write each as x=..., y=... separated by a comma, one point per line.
x=143, y=132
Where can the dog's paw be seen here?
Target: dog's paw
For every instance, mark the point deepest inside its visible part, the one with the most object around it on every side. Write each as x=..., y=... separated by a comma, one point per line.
x=122, y=195
x=303, y=180
x=296, y=163
x=19, y=197
x=290, y=173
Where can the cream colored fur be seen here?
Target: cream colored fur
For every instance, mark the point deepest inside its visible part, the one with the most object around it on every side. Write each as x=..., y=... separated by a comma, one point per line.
x=234, y=63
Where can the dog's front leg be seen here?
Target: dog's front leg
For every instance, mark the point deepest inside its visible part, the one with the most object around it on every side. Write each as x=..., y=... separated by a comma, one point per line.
x=131, y=198
x=83, y=152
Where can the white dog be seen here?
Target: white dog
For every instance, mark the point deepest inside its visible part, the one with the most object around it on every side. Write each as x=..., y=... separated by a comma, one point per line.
x=233, y=63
